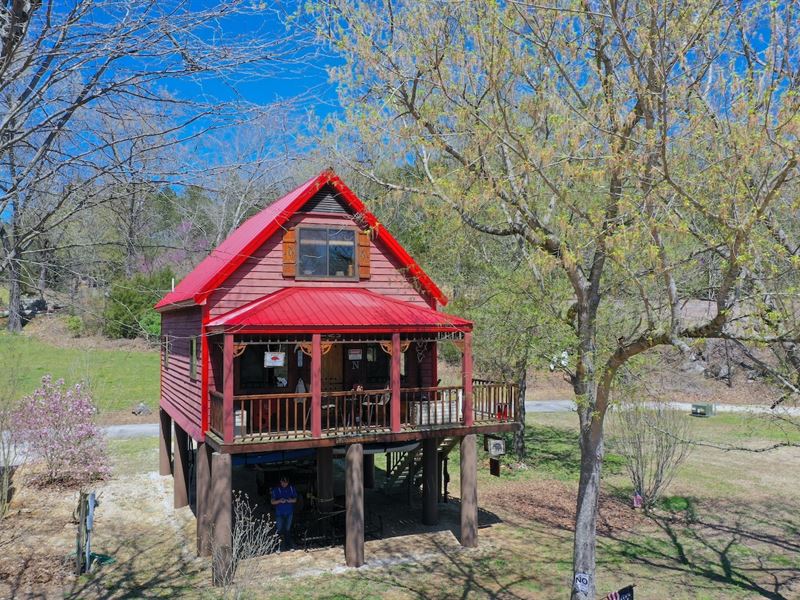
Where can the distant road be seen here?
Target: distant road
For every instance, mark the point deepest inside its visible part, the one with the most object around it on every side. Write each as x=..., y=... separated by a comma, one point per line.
x=554, y=406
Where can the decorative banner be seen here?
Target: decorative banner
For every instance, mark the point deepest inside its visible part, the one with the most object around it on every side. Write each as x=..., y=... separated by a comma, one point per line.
x=274, y=359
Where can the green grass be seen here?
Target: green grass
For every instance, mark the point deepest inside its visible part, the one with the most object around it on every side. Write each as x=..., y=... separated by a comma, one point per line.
x=128, y=456
x=119, y=379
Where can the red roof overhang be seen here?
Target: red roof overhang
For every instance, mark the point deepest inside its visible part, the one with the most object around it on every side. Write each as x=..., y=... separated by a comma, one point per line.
x=325, y=310
x=242, y=243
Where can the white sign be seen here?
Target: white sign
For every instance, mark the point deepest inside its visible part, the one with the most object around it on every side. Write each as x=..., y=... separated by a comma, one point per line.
x=274, y=359
x=582, y=582
x=497, y=448
x=354, y=354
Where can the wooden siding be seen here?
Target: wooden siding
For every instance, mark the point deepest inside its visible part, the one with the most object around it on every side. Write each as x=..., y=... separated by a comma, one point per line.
x=262, y=273
x=180, y=394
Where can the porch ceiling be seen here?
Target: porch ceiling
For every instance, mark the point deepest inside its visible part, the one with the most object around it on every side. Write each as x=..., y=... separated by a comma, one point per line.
x=334, y=309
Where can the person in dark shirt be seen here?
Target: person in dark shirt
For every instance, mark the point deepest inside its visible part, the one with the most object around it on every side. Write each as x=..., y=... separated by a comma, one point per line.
x=284, y=498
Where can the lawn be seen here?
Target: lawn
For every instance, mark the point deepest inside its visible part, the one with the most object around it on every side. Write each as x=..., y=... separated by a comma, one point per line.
x=727, y=529
x=119, y=379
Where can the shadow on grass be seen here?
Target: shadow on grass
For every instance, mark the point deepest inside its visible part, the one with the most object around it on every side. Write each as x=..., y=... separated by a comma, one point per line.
x=556, y=452
x=754, y=549
x=144, y=567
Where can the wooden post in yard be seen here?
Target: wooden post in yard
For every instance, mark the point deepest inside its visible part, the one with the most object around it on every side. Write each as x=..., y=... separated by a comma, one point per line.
x=180, y=483
x=221, y=517
x=324, y=479
x=354, y=505
x=430, y=481
x=164, y=443
x=469, y=491
x=203, y=498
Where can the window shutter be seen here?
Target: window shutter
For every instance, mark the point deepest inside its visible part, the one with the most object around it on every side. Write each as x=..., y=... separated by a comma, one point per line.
x=363, y=255
x=289, y=253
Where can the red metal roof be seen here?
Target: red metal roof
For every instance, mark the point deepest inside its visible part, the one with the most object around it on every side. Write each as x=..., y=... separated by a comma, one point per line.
x=331, y=309
x=230, y=254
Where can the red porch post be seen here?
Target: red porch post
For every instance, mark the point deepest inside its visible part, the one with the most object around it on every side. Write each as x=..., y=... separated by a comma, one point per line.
x=395, y=379
x=227, y=389
x=466, y=379
x=316, y=385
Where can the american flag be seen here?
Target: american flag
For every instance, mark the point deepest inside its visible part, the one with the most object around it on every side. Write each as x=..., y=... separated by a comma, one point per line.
x=625, y=593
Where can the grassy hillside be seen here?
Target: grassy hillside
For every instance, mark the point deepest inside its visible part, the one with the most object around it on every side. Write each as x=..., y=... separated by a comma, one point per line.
x=120, y=379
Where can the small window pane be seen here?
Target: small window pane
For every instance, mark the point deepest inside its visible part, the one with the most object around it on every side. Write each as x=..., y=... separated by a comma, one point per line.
x=312, y=257
x=342, y=251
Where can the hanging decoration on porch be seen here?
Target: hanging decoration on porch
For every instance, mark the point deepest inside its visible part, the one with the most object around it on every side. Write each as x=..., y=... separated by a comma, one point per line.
x=238, y=349
x=421, y=348
x=387, y=347
x=305, y=348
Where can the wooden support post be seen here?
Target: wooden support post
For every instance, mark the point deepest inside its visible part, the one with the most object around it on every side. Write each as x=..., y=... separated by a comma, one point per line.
x=466, y=376
x=227, y=388
x=354, y=504
x=221, y=517
x=180, y=482
x=430, y=480
x=203, y=498
x=324, y=479
x=164, y=443
x=395, y=382
x=369, y=471
x=316, y=385
x=469, y=491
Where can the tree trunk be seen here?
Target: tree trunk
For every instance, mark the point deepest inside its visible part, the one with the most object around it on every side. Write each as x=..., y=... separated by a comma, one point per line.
x=584, y=552
x=519, y=435
x=14, y=294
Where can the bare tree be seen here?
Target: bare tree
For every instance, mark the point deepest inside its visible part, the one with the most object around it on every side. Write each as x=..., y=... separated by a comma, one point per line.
x=69, y=70
x=625, y=145
x=252, y=535
x=655, y=439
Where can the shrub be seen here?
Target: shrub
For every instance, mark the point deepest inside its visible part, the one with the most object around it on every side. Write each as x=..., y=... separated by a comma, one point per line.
x=129, y=312
x=56, y=425
x=74, y=325
x=655, y=439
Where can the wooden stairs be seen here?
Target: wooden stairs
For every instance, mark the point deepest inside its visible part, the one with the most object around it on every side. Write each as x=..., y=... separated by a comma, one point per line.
x=406, y=467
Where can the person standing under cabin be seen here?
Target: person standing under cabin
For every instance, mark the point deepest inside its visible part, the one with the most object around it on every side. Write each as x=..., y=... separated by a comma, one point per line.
x=284, y=498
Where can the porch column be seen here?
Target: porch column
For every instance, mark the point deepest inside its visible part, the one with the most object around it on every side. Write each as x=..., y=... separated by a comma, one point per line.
x=324, y=479
x=316, y=385
x=395, y=380
x=466, y=380
x=180, y=486
x=354, y=504
x=430, y=481
x=369, y=471
x=203, y=496
x=164, y=443
x=221, y=516
x=227, y=388
x=469, y=491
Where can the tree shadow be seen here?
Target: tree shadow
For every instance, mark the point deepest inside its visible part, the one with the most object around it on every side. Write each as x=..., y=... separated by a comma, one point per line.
x=754, y=549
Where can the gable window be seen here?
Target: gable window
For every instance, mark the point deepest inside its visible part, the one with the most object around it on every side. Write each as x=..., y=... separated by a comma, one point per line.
x=326, y=252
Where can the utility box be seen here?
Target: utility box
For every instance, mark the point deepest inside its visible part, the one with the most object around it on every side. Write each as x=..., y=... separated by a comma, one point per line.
x=704, y=410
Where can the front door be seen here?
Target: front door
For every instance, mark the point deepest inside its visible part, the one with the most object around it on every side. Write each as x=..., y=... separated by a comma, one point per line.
x=332, y=363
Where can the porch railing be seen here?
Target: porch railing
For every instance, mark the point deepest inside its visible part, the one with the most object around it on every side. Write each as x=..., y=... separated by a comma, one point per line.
x=288, y=416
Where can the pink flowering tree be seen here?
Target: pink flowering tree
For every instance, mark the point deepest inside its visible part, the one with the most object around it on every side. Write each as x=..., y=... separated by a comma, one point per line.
x=56, y=425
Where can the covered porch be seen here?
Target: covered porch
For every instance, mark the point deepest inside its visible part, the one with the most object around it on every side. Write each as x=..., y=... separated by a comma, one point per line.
x=309, y=363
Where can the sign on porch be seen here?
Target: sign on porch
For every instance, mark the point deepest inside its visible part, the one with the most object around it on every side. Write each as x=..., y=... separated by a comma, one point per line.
x=274, y=359
x=354, y=354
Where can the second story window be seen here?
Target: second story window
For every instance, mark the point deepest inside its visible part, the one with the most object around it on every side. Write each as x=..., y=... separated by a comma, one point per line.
x=326, y=252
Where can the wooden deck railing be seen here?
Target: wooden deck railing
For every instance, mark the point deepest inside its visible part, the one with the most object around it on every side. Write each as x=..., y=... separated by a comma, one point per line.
x=288, y=416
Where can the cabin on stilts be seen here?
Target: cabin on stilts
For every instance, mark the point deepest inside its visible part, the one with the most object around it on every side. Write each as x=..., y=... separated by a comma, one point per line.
x=311, y=333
